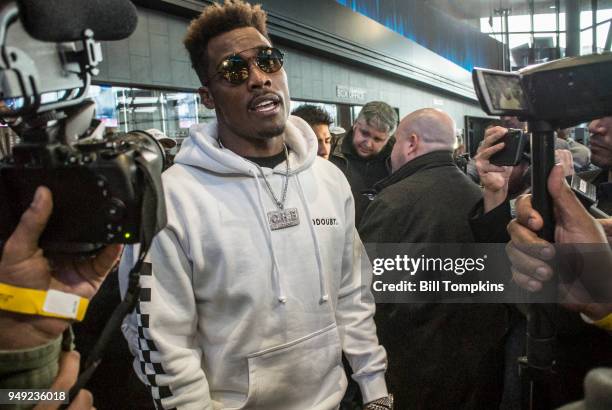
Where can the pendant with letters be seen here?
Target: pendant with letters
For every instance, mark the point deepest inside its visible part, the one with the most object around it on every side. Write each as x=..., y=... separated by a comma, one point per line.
x=283, y=218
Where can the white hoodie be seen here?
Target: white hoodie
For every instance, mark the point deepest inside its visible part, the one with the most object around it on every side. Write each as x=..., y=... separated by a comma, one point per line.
x=234, y=315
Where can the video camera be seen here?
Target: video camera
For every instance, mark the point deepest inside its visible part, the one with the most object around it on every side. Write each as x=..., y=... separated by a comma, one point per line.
x=564, y=92
x=553, y=95
x=105, y=189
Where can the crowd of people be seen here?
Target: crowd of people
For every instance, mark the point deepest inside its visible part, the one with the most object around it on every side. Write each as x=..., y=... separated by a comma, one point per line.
x=259, y=285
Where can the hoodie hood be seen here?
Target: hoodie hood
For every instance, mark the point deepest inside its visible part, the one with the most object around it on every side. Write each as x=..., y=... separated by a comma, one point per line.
x=202, y=150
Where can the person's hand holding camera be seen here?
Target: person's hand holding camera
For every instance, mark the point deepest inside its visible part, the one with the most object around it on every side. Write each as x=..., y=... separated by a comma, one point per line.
x=23, y=265
x=493, y=178
x=531, y=256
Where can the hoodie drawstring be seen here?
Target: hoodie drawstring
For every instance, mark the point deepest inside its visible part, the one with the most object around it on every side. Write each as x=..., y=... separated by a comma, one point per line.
x=275, y=269
x=322, y=284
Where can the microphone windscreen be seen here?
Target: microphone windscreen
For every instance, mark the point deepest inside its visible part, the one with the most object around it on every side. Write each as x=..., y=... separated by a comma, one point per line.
x=66, y=20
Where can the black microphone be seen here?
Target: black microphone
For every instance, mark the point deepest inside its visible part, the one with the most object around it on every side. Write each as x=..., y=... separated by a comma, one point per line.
x=66, y=20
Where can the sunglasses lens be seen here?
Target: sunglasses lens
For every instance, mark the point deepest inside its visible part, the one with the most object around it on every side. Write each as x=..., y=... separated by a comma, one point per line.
x=234, y=69
x=270, y=60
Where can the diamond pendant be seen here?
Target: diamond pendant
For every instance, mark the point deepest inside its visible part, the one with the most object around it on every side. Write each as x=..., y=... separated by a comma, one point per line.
x=283, y=218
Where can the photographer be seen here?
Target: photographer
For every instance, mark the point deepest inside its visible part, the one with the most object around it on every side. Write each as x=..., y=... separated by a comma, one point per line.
x=106, y=189
x=489, y=220
x=501, y=185
x=30, y=352
x=501, y=182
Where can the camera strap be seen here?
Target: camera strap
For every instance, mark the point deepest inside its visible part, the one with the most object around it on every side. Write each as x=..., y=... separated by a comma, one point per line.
x=153, y=220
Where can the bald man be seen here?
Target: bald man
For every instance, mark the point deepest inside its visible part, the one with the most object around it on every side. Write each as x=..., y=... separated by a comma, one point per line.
x=441, y=356
x=422, y=132
x=424, y=178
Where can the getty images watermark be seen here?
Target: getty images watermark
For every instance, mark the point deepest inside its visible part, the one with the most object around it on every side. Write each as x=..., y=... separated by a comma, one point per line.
x=481, y=273
x=411, y=266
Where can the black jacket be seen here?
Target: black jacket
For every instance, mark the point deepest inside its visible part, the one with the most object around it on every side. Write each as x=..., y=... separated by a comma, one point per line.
x=361, y=173
x=426, y=200
x=441, y=356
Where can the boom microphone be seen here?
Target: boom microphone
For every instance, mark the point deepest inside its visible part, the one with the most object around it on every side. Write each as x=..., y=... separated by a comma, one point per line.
x=66, y=20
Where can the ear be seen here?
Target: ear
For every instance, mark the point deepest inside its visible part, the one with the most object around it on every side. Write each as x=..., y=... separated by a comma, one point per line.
x=412, y=143
x=207, y=98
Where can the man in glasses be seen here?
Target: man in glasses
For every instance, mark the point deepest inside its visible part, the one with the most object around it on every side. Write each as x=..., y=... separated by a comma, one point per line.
x=259, y=281
x=364, y=152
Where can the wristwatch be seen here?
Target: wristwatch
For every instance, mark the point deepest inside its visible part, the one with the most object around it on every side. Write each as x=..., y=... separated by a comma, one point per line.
x=384, y=403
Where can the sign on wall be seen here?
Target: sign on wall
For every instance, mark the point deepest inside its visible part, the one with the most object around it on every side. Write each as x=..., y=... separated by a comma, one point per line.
x=350, y=93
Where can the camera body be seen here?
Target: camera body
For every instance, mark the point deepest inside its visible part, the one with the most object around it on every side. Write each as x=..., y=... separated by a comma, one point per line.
x=106, y=189
x=97, y=189
x=515, y=145
x=563, y=93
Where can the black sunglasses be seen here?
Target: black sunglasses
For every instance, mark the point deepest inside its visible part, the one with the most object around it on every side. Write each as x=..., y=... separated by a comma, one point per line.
x=235, y=69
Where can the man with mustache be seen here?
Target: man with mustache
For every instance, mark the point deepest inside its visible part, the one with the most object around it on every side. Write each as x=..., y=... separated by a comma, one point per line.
x=248, y=299
x=363, y=154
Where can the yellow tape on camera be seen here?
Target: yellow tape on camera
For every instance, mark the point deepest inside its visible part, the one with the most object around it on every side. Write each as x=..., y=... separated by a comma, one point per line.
x=51, y=303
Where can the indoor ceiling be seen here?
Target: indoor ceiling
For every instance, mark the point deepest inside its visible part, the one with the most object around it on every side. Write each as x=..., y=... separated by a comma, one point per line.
x=475, y=9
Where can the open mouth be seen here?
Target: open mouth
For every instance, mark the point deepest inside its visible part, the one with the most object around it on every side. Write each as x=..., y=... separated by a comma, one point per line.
x=265, y=104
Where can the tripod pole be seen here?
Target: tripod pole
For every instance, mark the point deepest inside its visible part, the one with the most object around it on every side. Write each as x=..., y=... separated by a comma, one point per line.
x=537, y=367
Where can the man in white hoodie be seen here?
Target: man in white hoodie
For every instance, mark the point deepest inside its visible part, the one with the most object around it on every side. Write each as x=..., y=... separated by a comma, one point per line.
x=259, y=281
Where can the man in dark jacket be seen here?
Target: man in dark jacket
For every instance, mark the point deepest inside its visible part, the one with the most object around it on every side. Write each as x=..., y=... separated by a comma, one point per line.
x=362, y=154
x=441, y=356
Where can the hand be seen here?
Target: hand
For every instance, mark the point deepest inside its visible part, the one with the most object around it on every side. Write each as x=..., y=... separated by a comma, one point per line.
x=564, y=158
x=23, y=264
x=65, y=379
x=529, y=253
x=494, y=179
